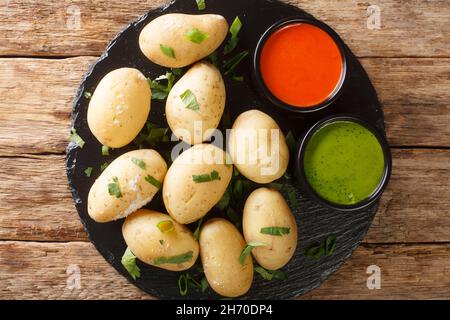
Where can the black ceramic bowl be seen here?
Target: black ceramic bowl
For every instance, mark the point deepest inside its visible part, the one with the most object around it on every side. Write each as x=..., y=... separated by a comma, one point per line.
x=300, y=171
x=264, y=90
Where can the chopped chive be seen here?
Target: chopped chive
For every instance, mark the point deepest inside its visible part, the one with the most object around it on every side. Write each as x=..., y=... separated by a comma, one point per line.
x=105, y=151
x=183, y=285
x=235, y=28
x=104, y=166
x=189, y=100
x=75, y=138
x=150, y=179
x=88, y=171
x=231, y=65
x=129, y=263
x=196, y=233
x=292, y=196
x=140, y=163
x=248, y=248
x=174, y=259
x=201, y=4
x=196, y=36
x=238, y=78
x=165, y=226
x=114, y=188
x=330, y=245
x=214, y=175
x=168, y=51
x=275, y=231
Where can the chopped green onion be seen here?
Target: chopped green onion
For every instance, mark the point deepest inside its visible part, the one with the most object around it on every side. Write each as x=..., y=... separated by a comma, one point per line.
x=114, y=188
x=168, y=51
x=75, y=138
x=87, y=95
x=165, y=226
x=129, y=262
x=275, y=231
x=206, y=177
x=88, y=171
x=330, y=245
x=238, y=78
x=105, y=151
x=248, y=248
x=196, y=36
x=140, y=163
x=232, y=64
x=197, y=230
x=183, y=285
x=152, y=135
x=189, y=100
x=104, y=166
x=175, y=259
x=315, y=252
x=161, y=242
x=159, y=90
x=150, y=179
x=201, y=4
x=235, y=28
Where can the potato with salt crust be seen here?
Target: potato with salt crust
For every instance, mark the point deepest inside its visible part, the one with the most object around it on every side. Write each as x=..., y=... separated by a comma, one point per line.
x=258, y=147
x=221, y=246
x=119, y=107
x=156, y=239
x=196, y=103
x=127, y=184
x=267, y=218
x=196, y=182
x=177, y=40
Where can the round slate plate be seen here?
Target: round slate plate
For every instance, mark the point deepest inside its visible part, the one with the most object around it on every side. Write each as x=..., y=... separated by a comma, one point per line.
x=315, y=222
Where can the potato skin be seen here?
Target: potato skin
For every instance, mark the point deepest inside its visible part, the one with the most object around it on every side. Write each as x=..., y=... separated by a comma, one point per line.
x=143, y=237
x=221, y=244
x=136, y=191
x=267, y=208
x=170, y=30
x=187, y=201
x=119, y=107
x=246, y=156
x=206, y=84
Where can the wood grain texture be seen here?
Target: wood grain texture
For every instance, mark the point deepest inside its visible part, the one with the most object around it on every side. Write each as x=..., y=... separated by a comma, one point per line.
x=39, y=270
x=37, y=99
x=37, y=28
x=37, y=205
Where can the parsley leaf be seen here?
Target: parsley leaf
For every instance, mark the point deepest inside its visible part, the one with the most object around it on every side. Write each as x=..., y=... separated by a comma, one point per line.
x=129, y=263
x=159, y=90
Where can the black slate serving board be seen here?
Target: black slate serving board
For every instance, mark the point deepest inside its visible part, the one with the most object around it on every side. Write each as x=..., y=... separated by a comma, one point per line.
x=315, y=222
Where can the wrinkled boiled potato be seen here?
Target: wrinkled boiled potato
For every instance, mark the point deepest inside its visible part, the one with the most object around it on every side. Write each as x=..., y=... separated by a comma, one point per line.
x=196, y=182
x=177, y=40
x=127, y=184
x=267, y=218
x=221, y=245
x=196, y=103
x=258, y=147
x=119, y=107
x=156, y=239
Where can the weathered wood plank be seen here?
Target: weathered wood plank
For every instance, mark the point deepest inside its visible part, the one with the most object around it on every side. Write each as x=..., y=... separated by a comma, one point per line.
x=42, y=270
x=37, y=99
x=36, y=203
x=82, y=27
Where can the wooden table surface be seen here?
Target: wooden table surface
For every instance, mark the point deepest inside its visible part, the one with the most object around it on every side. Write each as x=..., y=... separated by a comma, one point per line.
x=47, y=46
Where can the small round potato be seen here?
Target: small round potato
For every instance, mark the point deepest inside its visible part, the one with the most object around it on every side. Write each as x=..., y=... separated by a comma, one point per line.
x=119, y=107
x=196, y=182
x=258, y=147
x=266, y=211
x=196, y=123
x=173, y=249
x=221, y=245
x=127, y=184
x=177, y=40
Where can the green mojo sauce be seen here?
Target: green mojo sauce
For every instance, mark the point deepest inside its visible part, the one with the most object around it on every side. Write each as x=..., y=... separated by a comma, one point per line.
x=344, y=162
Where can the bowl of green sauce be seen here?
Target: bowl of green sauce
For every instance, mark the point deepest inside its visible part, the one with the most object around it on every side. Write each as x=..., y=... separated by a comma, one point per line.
x=344, y=163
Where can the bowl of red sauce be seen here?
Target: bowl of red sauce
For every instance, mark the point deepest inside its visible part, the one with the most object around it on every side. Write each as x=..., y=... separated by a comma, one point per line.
x=300, y=65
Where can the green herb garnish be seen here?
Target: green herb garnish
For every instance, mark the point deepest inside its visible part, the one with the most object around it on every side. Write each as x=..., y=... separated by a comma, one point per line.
x=161, y=242
x=153, y=181
x=234, y=217
x=271, y=274
x=315, y=252
x=233, y=41
x=88, y=171
x=196, y=233
x=325, y=249
x=75, y=138
x=196, y=36
x=204, y=285
x=168, y=51
x=291, y=142
x=129, y=262
x=165, y=226
x=152, y=135
x=225, y=200
x=275, y=231
x=87, y=95
x=175, y=259
x=177, y=71
x=201, y=4
x=186, y=280
x=213, y=59
x=183, y=285
x=114, y=188
x=293, y=198
x=238, y=78
x=189, y=100
x=105, y=151
x=140, y=163
x=104, y=166
x=214, y=175
x=232, y=64
x=160, y=91
x=330, y=245
x=248, y=248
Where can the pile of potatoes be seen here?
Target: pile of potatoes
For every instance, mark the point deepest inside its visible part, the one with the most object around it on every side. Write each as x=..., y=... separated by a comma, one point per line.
x=118, y=111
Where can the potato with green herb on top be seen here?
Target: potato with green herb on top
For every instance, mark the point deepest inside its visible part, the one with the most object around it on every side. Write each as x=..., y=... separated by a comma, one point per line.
x=196, y=182
x=196, y=104
x=156, y=239
x=119, y=107
x=221, y=246
x=177, y=40
x=267, y=218
x=258, y=147
x=127, y=184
